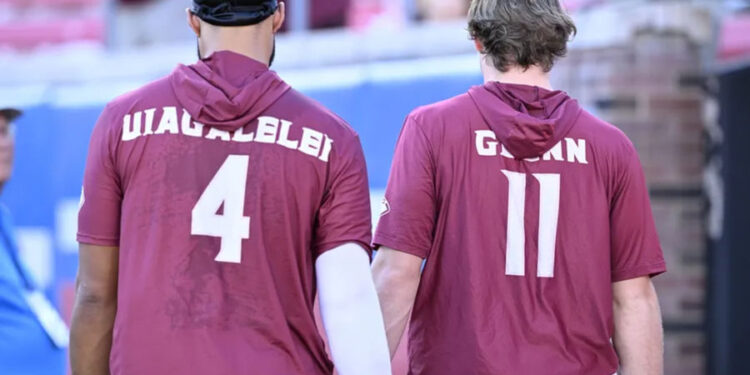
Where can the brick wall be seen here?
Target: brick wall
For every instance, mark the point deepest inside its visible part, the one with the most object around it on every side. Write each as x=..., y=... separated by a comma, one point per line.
x=644, y=87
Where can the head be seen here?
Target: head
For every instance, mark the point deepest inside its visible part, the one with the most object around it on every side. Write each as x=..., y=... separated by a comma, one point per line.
x=520, y=34
x=7, y=143
x=247, y=27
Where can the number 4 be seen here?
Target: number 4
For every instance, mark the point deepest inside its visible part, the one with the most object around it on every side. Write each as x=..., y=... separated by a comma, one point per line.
x=549, y=206
x=226, y=189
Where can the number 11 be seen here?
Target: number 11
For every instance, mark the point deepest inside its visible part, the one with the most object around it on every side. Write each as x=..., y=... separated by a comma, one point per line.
x=549, y=206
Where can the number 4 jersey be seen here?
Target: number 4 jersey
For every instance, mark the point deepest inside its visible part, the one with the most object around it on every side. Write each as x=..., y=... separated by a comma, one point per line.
x=221, y=186
x=526, y=209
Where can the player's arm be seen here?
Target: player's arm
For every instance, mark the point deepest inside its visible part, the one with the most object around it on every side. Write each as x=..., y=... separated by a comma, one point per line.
x=638, y=335
x=396, y=277
x=348, y=302
x=350, y=311
x=94, y=310
x=636, y=257
x=405, y=230
x=99, y=234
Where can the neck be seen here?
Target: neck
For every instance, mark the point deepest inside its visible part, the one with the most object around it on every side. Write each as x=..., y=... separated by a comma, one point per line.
x=253, y=42
x=533, y=76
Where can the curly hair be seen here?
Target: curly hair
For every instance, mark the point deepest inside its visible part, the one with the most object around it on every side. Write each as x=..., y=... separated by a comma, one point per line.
x=521, y=32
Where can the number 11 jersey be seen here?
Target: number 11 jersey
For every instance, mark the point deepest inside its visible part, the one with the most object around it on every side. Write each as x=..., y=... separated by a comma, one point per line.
x=221, y=186
x=526, y=209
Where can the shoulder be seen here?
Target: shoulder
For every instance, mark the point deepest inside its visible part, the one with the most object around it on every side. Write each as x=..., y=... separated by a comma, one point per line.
x=440, y=121
x=126, y=102
x=442, y=111
x=611, y=147
x=604, y=136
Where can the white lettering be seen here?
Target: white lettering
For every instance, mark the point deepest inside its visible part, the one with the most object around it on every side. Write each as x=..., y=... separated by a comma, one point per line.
x=168, y=121
x=576, y=150
x=149, y=126
x=284, y=136
x=554, y=153
x=129, y=130
x=242, y=137
x=189, y=127
x=268, y=128
x=214, y=133
x=327, y=146
x=311, y=141
x=486, y=143
x=484, y=146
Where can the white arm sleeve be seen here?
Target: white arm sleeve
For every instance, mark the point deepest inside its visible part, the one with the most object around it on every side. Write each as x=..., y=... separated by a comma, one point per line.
x=351, y=312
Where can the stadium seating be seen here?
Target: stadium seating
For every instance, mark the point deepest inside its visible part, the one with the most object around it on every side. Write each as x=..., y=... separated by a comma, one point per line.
x=55, y=3
x=26, y=24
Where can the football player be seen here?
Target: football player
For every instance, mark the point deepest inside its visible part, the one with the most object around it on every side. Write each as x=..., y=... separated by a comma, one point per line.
x=216, y=201
x=532, y=215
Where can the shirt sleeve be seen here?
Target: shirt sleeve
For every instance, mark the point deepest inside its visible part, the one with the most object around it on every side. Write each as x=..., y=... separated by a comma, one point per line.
x=344, y=215
x=408, y=222
x=101, y=196
x=636, y=251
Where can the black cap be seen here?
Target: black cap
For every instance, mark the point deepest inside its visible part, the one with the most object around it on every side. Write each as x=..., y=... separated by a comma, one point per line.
x=10, y=114
x=234, y=12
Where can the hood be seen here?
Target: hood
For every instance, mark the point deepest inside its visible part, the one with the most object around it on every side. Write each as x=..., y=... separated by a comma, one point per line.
x=527, y=120
x=227, y=90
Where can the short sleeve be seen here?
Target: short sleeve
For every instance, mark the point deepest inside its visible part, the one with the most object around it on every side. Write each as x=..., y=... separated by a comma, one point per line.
x=101, y=196
x=344, y=215
x=408, y=222
x=634, y=241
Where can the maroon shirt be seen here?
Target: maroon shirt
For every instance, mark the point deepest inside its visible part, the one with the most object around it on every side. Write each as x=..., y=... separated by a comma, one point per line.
x=221, y=186
x=521, y=254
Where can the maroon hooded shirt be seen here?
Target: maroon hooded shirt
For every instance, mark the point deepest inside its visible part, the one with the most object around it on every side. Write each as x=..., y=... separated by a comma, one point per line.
x=221, y=186
x=526, y=208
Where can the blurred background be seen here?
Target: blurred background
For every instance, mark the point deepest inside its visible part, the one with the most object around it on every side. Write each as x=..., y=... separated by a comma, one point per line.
x=674, y=75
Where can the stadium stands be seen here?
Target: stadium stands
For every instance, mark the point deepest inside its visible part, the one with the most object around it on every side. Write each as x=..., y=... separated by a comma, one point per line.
x=25, y=35
x=26, y=24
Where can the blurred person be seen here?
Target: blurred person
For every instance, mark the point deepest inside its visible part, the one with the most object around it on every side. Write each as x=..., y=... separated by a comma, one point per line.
x=33, y=337
x=215, y=202
x=533, y=217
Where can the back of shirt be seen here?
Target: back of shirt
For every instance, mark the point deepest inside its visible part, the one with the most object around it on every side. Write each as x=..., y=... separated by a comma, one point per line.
x=526, y=209
x=221, y=186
